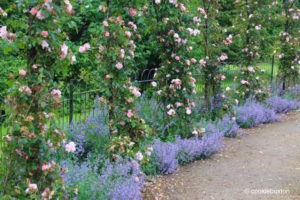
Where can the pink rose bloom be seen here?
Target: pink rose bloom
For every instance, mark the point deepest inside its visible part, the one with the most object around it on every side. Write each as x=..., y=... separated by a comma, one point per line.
x=193, y=60
x=251, y=69
x=81, y=49
x=87, y=46
x=73, y=59
x=45, y=44
x=258, y=27
x=132, y=12
x=223, y=57
x=70, y=147
x=22, y=72
x=128, y=34
x=108, y=76
x=105, y=23
x=202, y=62
x=64, y=51
x=56, y=94
x=188, y=111
x=34, y=66
x=244, y=82
x=25, y=89
x=3, y=32
x=135, y=91
x=33, y=11
x=139, y=156
x=119, y=65
x=222, y=77
x=106, y=34
x=129, y=113
x=40, y=15
x=153, y=84
x=171, y=112
x=177, y=58
x=31, y=187
x=122, y=53
x=44, y=34
x=46, y=167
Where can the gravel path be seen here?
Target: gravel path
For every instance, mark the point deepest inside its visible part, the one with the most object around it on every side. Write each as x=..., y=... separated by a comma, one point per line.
x=263, y=163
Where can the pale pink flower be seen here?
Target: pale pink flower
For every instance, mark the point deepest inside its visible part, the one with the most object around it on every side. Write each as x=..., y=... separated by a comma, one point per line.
x=129, y=113
x=56, y=94
x=135, y=91
x=157, y=1
x=128, y=34
x=251, y=69
x=81, y=49
x=202, y=63
x=44, y=34
x=153, y=84
x=3, y=32
x=132, y=12
x=87, y=46
x=31, y=187
x=45, y=44
x=73, y=59
x=106, y=34
x=25, y=89
x=70, y=147
x=34, y=66
x=105, y=23
x=223, y=57
x=171, y=112
x=193, y=60
x=244, y=82
x=64, y=51
x=22, y=72
x=46, y=166
x=258, y=27
x=119, y=65
x=139, y=156
x=188, y=111
x=40, y=15
x=33, y=11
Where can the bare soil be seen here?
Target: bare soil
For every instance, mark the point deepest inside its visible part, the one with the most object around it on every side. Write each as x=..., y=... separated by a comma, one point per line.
x=262, y=163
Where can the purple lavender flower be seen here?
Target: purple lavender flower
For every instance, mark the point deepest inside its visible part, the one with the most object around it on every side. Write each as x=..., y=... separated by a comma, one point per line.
x=165, y=154
x=252, y=114
x=281, y=105
x=122, y=179
x=228, y=126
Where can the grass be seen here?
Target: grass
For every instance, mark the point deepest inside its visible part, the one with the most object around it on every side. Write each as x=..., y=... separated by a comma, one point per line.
x=230, y=71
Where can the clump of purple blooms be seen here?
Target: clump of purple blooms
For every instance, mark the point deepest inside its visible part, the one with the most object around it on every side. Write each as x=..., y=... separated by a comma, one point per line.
x=121, y=179
x=252, y=114
x=91, y=133
x=281, y=105
x=229, y=126
x=186, y=150
x=164, y=154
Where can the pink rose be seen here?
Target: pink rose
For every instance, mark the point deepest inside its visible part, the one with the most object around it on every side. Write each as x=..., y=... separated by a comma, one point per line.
x=132, y=12
x=44, y=34
x=106, y=34
x=33, y=11
x=129, y=113
x=105, y=23
x=119, y=65
x=40, y=15
x=128, y=34
x=22, y=73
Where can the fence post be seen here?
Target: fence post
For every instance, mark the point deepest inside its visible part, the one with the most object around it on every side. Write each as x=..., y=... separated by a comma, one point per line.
x=272, y=72
x=71, y=101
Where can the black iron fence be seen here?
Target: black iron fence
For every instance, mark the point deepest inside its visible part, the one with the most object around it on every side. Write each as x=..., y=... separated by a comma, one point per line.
x=78, y=99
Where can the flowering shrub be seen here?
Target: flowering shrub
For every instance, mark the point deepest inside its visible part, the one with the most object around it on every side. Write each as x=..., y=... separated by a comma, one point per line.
x=31, y=30
x=120, y=180
x=288, y=57
x=251, y=27
x=167, y=155
x=281, y=105
x=253, y=113
x=112, y=45
x=175, y=83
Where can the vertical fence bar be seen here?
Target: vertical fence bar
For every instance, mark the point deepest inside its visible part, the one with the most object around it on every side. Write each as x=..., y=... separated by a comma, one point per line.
x=71, y=101
x=272, y=72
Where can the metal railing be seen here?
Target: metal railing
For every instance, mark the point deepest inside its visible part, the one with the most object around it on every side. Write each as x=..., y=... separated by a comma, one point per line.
x=78, y=100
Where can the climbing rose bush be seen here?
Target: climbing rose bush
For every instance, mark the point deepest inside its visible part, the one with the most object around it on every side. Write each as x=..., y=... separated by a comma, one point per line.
x=29, y=169
x=174, y=81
